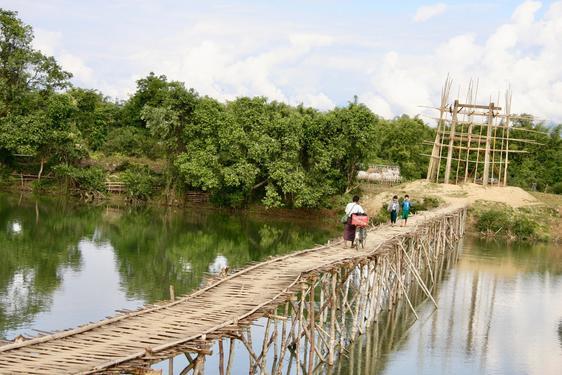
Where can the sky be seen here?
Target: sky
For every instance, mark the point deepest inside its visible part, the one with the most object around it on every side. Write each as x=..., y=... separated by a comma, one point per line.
x=394, y=55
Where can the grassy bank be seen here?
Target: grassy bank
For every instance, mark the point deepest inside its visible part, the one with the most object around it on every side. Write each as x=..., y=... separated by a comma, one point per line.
x=508, y=213
x=529, y=223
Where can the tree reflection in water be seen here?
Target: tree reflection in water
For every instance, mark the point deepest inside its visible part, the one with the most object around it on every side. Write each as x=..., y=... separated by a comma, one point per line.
x=42, y=240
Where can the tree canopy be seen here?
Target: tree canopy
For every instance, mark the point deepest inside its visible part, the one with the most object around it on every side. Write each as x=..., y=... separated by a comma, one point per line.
x=250, y=149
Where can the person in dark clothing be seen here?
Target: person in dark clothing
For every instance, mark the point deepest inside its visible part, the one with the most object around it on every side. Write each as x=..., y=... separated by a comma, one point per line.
x=349, y=230
x=393, y=208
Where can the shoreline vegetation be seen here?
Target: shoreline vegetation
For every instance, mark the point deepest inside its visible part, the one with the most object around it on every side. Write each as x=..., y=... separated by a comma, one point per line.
x=169, y=145
x=495, y=220
x=502, y=213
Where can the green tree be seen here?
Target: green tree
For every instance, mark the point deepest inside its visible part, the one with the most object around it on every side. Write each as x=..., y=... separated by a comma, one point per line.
x=342, y=139
x=95, y=115
x=48, y=134
x=401, y=141
x=151, y=91
x=24, y=70
x=168, y=123
x=541, y=165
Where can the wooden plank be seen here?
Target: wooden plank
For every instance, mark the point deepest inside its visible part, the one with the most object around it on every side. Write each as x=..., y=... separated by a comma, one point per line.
x=480, y=106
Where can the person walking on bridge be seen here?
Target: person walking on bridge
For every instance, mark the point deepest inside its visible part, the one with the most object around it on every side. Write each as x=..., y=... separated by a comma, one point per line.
x=349, y=229
x=405, y=209
x=393, y=208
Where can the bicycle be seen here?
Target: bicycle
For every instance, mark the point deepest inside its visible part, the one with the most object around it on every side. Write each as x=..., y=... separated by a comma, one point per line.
x=360, y=221
x=360, y=237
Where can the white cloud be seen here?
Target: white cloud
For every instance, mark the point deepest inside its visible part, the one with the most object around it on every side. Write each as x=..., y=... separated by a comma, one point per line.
x=74, y=64
x=523, y=53
x=46, y=41
x=320, y=101
x=377, y=104
x=311, y=40
x=51, y=43
x=525, y=13
x=232, y=65
x=226, y=55
x=425, y=12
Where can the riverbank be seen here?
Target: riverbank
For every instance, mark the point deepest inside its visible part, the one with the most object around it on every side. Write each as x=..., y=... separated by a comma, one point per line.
x=509, y=213
x=323, y=218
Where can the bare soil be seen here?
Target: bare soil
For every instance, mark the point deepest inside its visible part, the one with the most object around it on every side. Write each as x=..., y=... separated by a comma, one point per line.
x=515, y=197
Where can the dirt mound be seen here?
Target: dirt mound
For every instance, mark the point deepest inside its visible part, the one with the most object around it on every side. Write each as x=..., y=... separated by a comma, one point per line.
x=513, y=196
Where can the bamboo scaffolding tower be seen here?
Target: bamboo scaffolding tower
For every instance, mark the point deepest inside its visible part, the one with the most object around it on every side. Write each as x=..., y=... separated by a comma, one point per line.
x=311, y=305
x=487, y=137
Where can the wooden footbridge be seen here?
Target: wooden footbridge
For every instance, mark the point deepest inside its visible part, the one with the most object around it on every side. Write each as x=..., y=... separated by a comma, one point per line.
x=315, y=302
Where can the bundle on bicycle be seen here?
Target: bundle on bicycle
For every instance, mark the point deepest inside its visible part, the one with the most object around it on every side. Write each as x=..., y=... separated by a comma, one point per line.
x=360, y=221
x=355, y=221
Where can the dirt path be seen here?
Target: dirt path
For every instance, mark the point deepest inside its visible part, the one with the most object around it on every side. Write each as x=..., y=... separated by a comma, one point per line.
x=458, y=194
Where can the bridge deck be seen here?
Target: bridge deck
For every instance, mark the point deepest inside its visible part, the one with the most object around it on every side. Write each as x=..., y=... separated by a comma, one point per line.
x=126, y=337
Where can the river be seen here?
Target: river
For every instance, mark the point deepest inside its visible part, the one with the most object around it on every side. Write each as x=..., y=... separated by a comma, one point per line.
x=63, y=264
x=499, y=312
x=499, y=307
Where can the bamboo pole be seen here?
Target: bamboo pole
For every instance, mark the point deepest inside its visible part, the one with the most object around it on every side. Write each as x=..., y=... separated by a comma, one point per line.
x=283, y=345
x=230, y=357
x=221, y=357
x=451, y=140
x=405, y=292
x=434, y=162
x=333, y=304
x=418, y=277
x=507, y=118
x=311, y=325
x=486, y=175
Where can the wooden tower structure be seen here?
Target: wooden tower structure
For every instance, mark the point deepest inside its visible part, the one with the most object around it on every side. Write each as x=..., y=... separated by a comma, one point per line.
x=473, y=140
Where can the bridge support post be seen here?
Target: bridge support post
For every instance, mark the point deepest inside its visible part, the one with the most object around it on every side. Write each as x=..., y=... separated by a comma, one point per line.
x=333, y=312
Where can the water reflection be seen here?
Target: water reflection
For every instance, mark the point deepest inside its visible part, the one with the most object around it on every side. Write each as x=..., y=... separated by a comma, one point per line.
x=500, y=311
x=65, y=264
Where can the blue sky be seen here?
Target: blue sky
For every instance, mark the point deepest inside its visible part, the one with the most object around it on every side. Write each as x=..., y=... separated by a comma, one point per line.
x=394, y=55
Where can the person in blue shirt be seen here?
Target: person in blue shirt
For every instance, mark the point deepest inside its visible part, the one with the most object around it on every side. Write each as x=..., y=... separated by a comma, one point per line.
x=405, y=209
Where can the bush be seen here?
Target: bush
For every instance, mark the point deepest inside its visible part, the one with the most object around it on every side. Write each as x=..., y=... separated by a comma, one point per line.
x=493, y=220
x=431, y=202
x=523, y=227
x=131, y=141
x=512, y=223
x=4, y=173
x=90, y=179
x=557, y=188
x=41, y=185
x=382, y=216
x=140, y=182
x=427, y=203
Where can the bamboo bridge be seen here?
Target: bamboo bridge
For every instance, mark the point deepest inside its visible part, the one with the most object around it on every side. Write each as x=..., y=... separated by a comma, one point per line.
x=314, y=303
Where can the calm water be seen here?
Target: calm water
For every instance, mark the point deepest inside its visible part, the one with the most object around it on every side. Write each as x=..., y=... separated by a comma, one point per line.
x=500, y=306
x=63, y=264
x=500, y=312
